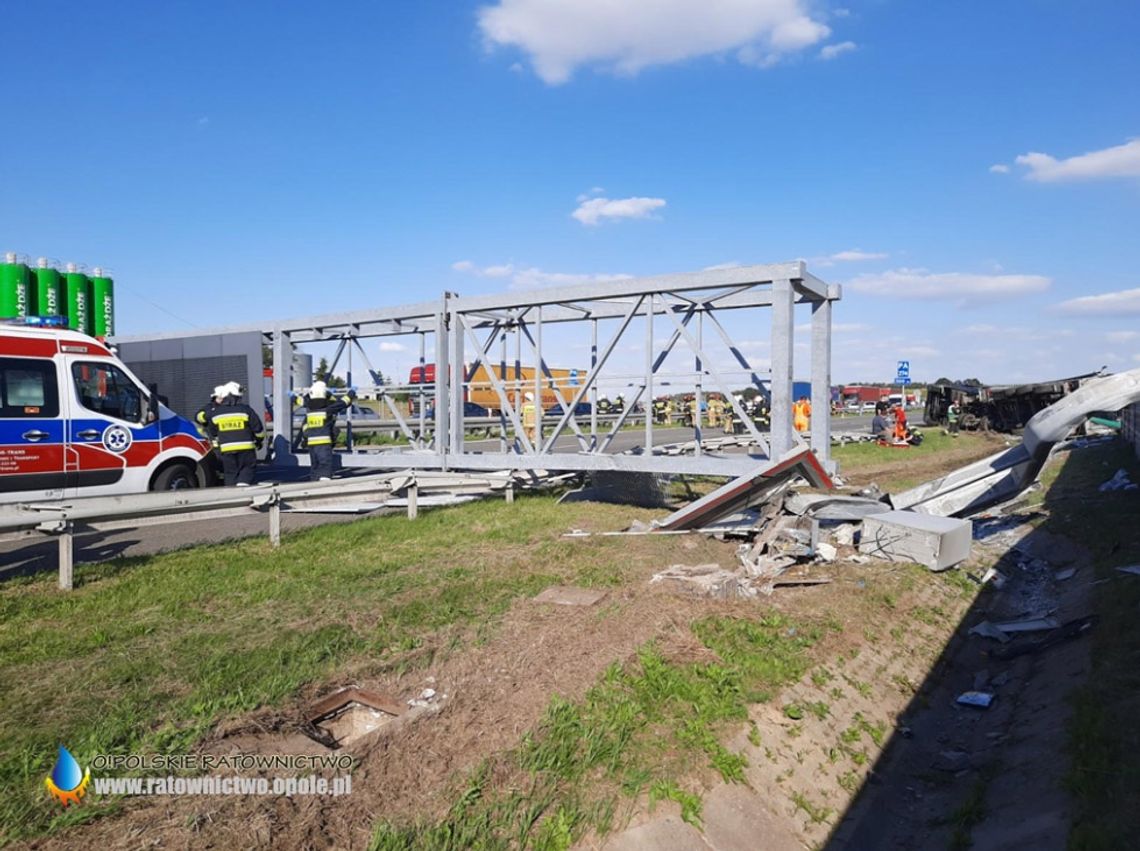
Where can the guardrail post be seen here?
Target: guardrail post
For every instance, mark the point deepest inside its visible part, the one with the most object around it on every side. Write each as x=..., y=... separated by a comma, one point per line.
x=510, y=491
x=66, y=559
x=275, y=524
x=413, y=500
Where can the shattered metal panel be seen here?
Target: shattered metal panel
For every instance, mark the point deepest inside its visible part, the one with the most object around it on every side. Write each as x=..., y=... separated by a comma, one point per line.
x=752, y=489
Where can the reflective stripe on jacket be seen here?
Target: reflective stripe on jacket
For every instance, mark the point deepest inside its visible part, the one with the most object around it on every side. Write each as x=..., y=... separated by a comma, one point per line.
x=320, y=423
x=236, y=428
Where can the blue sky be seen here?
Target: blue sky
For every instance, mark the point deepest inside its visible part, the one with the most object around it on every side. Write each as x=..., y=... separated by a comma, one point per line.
x=236, y=161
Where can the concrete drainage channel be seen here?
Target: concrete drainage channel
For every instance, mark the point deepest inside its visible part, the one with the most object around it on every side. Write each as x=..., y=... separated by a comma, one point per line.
x=349, y=715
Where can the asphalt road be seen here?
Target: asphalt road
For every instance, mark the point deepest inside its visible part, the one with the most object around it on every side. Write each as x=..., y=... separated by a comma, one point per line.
x=21, y=559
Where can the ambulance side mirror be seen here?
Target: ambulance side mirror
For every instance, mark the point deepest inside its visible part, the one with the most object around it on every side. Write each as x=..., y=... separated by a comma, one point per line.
x=152, y=402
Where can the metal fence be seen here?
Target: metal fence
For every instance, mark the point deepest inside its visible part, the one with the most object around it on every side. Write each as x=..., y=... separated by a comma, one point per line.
x=361, y=494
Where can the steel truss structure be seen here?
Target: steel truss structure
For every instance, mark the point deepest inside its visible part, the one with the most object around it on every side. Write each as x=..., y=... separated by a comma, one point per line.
x=504, y=334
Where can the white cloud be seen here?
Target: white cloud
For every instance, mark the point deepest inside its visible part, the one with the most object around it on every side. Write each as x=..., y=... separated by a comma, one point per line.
x=919, y=351
x=855, y=255
x=560, y=36
x=831, y=51
x=852, y=255
x=594, y=210
x=1122, y=303
x=204, y=121
x=1015, y=333
x=504, y=271
x=1136, y=358
x=838, y=327
x=959, y=287
x=463, y=266
x=1119, y=161
x=1122, y=336
x=390, y=346
x=531, y=277
x=999, y=168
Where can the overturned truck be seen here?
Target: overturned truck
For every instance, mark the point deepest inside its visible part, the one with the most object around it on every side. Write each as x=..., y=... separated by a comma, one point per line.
x=998, y=408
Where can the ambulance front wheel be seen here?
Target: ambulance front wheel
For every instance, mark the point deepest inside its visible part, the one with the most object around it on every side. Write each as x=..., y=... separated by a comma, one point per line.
x=176, y=477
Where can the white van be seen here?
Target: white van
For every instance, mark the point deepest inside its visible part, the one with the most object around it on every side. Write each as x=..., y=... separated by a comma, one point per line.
x=74, y=421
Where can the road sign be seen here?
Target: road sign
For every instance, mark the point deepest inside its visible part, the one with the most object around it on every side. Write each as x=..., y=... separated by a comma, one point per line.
x=903, y=373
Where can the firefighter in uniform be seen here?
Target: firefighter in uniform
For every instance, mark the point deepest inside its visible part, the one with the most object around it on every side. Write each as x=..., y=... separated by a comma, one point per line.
x=238, y=434
x=201, y=419
x=320, y=428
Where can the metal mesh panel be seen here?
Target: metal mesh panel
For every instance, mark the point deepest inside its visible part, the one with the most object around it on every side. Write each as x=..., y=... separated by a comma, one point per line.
x=188, y=383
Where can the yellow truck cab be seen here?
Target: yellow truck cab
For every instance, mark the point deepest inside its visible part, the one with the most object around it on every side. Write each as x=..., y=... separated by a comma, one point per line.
x=74, y=421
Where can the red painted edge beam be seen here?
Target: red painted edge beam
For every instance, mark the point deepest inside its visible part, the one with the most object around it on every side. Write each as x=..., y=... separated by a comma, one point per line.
x=724, y=500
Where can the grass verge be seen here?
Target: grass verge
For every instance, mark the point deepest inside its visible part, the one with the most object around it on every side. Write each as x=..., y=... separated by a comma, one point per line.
x=638, y=729
x=148, y=654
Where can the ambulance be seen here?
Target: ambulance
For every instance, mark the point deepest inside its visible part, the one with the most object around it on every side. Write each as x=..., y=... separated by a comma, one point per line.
x=75, y=422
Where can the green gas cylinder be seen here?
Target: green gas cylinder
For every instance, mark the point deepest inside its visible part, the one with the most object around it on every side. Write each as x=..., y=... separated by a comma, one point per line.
x=47, y=290
x=102, y=306
x=14, y=280
x=77, y=286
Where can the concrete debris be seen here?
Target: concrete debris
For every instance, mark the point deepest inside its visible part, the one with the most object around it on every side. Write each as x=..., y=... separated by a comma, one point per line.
x=757, y=488
x=566, y=595
x=857, y=559
x=936, y=542
x=1066, y=574
x=1119, y=482
x=1134, y=569
x=987, y=630
x=995, y=576
x=702, y=580
x=826, y=552
x=845, y=535
x=980, y=699
x=834, y=507
x=426, y=698
x=1028, y=625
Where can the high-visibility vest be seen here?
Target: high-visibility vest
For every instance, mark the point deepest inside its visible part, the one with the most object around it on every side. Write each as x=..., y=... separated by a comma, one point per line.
x=800, y=416
x=235, y=427
x=528, y=415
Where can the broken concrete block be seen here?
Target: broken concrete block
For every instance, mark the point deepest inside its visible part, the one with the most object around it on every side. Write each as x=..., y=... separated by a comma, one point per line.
x=987, y=630
x=844, y=535
x=826, y=552
x=937, y=542
x=569, y=595
x=701, y=580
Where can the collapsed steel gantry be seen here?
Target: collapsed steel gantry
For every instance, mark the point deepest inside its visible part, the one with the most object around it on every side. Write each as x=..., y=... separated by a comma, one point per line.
x=465, y=330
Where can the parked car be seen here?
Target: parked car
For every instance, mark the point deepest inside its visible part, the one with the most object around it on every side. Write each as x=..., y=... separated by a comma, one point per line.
x=868, y=407
x=852, y=407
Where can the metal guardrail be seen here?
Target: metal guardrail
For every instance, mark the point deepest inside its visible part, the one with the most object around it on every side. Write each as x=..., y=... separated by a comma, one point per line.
x=66, y=518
